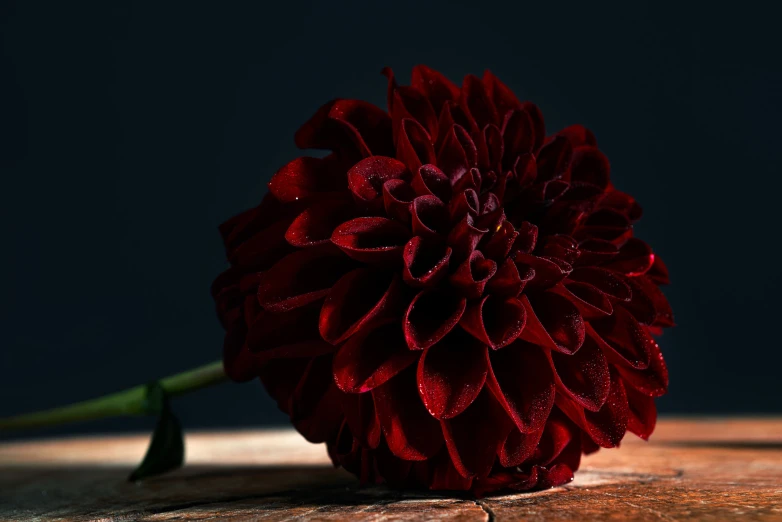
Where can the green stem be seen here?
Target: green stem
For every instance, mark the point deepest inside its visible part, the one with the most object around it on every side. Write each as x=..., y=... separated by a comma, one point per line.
x=132, y=401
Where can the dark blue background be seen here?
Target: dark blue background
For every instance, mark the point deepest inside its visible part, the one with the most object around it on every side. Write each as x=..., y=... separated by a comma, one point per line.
x=131, y=130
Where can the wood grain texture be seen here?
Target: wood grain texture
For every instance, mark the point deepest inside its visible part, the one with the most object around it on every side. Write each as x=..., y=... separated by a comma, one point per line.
x=706, y=469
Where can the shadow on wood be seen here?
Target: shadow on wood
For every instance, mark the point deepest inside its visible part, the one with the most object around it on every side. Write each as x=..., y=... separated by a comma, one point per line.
x=702, y=468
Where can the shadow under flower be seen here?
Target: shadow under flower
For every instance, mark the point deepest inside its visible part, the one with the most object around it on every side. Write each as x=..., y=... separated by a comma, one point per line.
x=79, y=492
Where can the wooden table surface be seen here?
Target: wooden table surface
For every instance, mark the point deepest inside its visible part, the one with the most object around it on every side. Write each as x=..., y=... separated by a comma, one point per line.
x=708, y=469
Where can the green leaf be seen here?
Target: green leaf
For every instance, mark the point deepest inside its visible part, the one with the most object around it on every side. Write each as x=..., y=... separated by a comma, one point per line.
x=166, y=450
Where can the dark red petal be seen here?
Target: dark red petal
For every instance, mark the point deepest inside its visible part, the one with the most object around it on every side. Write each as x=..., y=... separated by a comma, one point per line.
x=570, y=208
x=457, y=154
x=451, y=374
x=537, y=478
x=519, y=446
x=359, y=298
x=315, y=224
x=271, y=329
x=431, y=181
x=470, y=278
x=344, y=449
x=559, y=432
x=414, y=145
x=624, y=338
x=652, y=381
x=534, y=331
x=518, y=134
x=306, y=177
x=308, y=349
x=555, y=476
x=494, y=146
x=366, y=178
x=457, y=116
x=360, y=415
x=425, y=262
x=608, y=217
x=429, y=217
x=464, y=237
x=500, y=189
x=301, y=278
x=339, y=123
x=561, y=319
x=591, y=302
x=239, y=364
x=472, y=180
x=492, y=214
x=595, y=252
x=311, y=135
x=537, y=122
x=391, y=87
x=490, y=204
x=528, y=238
x=466, y=202
x=434, y=85
x=483, y=155
x=497, y=481
x=585, y=375
x=589, y=165
x=521, y=379
x=280, y=377
x=570, y=455
x=240, y=227
x=544, y=193
x=578, y=135
x=316, y=410
x=286, y=334
x=432, y=314
x=548, y=271
x=524, y=172
x=507, y=282
x=603, y=280
x=409, y=102
x=496, y=321
x=474, y=437
x=411, y=433
x=588, y=446
x=623, y=204
x=606, y=224
x=663, y=312
x=372, y=357
x=445, y=122
x=640, y=305
x=500, y=95
x=554, y=159
x=561, y=247
x=642, y=413
x=394, y=471
x=635, y=258
x=608, y=425
x=262, y=250
x=659, y=272
x=476, y=104
x=444, y=475
x=397, y=196
x=371, y=239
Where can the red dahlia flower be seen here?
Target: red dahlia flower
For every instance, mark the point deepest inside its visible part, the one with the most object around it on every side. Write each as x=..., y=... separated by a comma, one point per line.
x=451, y=299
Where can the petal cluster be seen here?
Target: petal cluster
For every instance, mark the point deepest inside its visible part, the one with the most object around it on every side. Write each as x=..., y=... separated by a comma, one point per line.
x=451, y=298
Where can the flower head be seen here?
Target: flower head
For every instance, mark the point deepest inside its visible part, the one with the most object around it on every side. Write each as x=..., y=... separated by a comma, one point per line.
x=451, y=299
